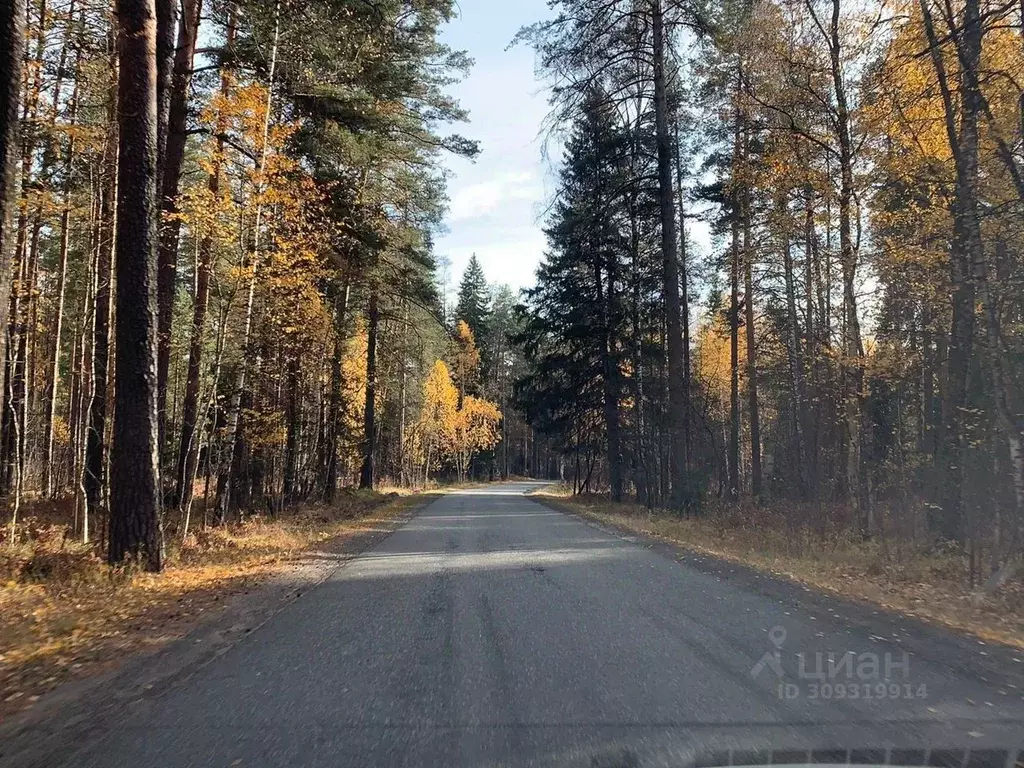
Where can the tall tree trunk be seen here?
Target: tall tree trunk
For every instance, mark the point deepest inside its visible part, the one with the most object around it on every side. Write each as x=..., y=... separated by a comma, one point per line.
x=403, y=400
x=95, y=439
x=609, y=371
x=641, y=477
x=228, y=491
x=188, y=446
x=812, y=347
x=734, y=323
x=26, y=250
x=854, y=395
x=12, y=54
x=366, y=477
x=134, y=459
x=291, y=449
x=969, y=48
x=178, y=82
x=684, y=309
x=50, y=416
x=748, y=305
x=334, y=407
x=794, y=353
x=682, y=494
x=188, y=454
x=947, y=520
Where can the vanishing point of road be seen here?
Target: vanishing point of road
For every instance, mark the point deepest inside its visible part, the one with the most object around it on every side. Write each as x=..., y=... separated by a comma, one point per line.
x=490, y=630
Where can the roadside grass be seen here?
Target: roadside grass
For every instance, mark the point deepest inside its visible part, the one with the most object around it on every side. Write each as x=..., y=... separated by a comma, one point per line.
x=64, y=613
x=904, y=574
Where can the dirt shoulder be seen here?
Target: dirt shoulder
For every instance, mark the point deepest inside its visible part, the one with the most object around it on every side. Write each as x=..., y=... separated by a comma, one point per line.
x=925, y=586
x=89, y=638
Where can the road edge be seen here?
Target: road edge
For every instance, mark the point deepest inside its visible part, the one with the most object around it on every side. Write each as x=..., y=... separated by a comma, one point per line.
x=957, y=650
x=66, y=720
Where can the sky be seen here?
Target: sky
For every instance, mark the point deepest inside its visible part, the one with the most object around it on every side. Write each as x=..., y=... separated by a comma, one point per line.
x=497, y=200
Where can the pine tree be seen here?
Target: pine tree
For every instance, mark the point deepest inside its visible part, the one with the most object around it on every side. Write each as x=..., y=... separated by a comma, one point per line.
x=474, y=304
x=575, y=313
x=134, y=459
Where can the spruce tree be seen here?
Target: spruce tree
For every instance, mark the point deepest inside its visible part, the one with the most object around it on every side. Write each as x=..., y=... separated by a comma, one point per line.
x=474, y=306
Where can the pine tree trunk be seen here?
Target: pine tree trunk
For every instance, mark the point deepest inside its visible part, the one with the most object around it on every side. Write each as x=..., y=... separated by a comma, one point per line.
x=366, y=473
x=291, y=449
x=334, y=408
x=95, y=438
x=134, y=459
x=12, y=54
x=685, y=296
x=794, y=353
x=609, y=370
x=188, y=454
x=178, y=82
x=969, y=49
x=188, y=447
x=682, y=495
x=403, y=400
x=734, y=328
x=748, y=305
x=855, y=398
x=49, y=460
x=812, y=346
x=21, y=295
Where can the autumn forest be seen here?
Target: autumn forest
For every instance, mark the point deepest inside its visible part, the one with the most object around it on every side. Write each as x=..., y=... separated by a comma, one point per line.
x=784, y=264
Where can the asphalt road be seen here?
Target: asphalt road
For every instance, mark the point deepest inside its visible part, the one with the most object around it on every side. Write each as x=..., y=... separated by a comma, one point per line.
x=493, y=631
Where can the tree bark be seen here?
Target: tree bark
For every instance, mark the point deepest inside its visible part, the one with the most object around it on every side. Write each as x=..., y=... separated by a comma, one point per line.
x=947, y=520
x=134, y=459
x=188, y=454
x=748, y=305
x=95, y=439
x=334, y=408
x=54, y=372
x=188, y=447
x=291, y=448
x=734, y=321
x=366, y=473
x=684, y=309
x=178, y=82
x=62, y=274
x=682, y=495
x=12, y=54
x=606, y=304
x=855, y=396
x=794, y=352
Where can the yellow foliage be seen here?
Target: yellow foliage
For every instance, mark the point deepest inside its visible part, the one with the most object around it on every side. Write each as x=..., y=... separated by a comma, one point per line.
x=712, y=361
x=353, y=395
x=447, y=430
x=437, y=415
x=466, y=361
x=475, y=430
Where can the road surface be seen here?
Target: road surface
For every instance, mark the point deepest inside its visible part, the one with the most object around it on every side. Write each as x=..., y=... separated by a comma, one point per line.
x=493, y=631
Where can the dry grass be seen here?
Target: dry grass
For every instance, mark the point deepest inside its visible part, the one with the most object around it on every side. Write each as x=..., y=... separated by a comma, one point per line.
x=915, y=579
x=64, y=613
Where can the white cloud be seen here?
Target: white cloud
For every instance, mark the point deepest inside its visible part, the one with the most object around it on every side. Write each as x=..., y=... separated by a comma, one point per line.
x=487, y=197
x=510, y=258
x=497, y=200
